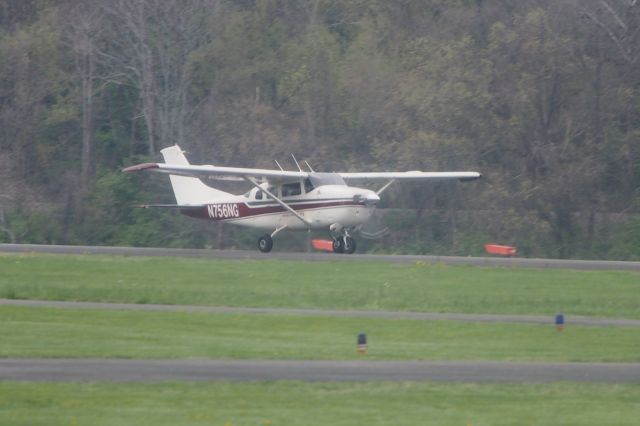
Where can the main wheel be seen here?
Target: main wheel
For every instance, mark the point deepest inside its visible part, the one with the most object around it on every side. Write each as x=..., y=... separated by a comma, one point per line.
x=338, y=245
x=349, y=245
x=265, y=243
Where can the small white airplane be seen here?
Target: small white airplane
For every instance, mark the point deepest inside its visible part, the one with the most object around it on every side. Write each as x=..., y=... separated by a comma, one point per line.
x=280, y=199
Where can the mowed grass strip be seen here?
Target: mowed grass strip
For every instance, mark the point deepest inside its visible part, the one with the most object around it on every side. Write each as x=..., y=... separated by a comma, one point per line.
x=328, y=285
x=69, y=333
x=295, y=403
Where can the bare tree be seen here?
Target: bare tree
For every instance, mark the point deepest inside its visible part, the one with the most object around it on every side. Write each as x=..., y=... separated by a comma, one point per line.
x=151, y=44
x=83, y=30
x=3, y=223
x=620, y=21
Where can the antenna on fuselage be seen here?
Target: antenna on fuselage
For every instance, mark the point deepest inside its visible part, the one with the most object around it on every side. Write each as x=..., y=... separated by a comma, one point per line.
x=279, y=165
x=296, y=161
x=309, y=166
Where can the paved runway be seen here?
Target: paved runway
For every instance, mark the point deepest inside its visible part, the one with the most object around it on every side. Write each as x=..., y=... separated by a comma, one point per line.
x=315, y=257
x=421, y=316
x=118, y=370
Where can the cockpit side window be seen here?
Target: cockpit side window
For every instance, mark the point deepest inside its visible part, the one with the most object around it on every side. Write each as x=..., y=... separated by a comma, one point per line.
x=290, y=189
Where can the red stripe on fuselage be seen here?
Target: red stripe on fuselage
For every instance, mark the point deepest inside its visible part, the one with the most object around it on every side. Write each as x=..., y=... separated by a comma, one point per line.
x=230, y=211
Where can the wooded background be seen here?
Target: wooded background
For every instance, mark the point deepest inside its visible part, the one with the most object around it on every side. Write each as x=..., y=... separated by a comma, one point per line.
x=541, y=96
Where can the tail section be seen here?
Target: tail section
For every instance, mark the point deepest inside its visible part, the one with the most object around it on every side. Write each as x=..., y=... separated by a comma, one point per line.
x=189, y=190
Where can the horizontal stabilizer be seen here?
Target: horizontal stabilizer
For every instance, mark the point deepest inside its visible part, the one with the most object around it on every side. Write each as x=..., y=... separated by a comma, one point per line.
x=170, y=206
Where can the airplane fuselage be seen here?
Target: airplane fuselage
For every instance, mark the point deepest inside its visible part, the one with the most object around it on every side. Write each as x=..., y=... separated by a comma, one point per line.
x=321, y=207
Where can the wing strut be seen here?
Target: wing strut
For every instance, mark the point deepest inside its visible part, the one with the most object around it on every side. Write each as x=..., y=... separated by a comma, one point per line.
x=277, y=200
x=381, y=190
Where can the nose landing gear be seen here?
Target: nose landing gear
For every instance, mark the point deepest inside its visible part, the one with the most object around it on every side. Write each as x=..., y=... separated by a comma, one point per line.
x=344, y=244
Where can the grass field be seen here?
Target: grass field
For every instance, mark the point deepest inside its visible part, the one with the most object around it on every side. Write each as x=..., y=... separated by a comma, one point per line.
x=328, y=285
x=56, y=332
x=70, y=333
x=309, y=404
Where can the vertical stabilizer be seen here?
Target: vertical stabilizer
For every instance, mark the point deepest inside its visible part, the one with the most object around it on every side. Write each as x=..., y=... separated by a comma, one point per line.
x=189, y=190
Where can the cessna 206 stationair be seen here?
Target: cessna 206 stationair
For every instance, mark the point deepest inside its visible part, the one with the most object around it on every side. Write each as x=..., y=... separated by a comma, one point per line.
x=281, y=199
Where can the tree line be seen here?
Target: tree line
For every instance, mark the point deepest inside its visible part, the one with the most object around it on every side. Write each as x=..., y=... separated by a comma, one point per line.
x=541, y=96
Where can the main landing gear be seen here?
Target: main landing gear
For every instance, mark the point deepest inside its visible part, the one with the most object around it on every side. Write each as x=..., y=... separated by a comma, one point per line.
x=341, y=244
x=265, y=243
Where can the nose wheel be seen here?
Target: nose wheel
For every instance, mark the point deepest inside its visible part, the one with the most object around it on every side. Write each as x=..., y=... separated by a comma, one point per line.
x=344, y=244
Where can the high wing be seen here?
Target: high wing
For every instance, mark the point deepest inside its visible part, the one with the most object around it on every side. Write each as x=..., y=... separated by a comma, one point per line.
x=176, y=164
x=240, y=173
x=411, y=176
x=219, y=173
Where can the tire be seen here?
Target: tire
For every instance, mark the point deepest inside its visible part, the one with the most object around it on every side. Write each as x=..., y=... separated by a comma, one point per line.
x=338, y=245
x=265, y=243
x=349, y=245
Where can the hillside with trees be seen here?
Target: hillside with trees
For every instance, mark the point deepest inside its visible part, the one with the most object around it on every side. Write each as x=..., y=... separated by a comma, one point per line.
x=542, y=97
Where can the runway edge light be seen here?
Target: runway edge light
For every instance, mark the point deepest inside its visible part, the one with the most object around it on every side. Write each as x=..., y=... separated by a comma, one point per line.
x=559, y=322
x=362, y=343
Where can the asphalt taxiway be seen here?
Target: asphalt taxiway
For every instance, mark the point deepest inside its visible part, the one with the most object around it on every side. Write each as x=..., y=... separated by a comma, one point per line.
x=125, y=370
x=418, y=316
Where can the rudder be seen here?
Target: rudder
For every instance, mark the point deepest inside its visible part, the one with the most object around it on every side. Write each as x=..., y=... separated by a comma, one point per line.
x=189, y=190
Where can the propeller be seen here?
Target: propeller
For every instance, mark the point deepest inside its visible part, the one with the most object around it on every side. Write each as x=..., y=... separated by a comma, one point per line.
x=374, y=228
